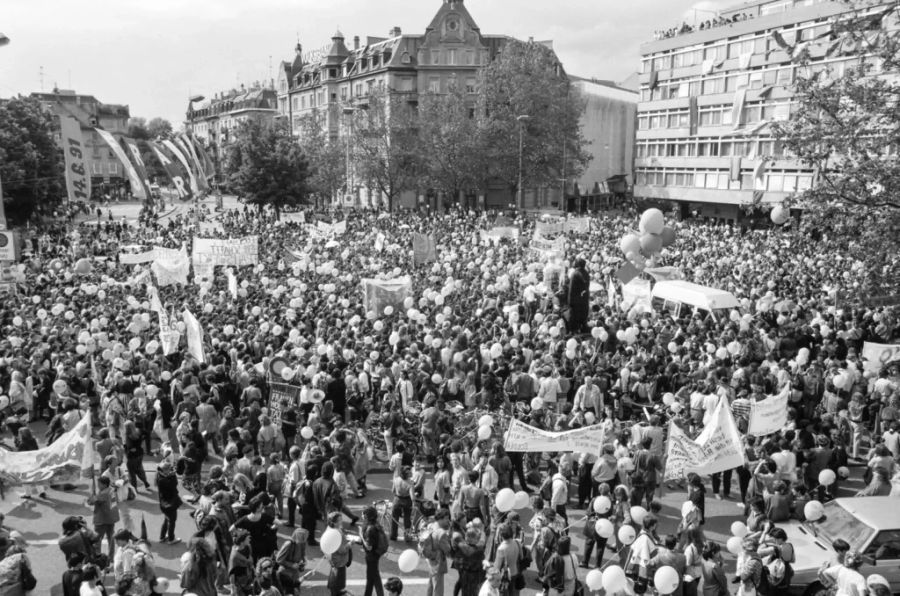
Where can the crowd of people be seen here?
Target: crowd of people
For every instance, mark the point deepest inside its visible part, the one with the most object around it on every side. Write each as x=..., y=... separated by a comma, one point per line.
x=487, y=330
x=719, y=21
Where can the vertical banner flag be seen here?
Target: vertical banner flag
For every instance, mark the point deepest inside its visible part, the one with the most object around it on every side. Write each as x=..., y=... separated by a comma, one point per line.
x=137, y=186
x=423, y=249
x=140, y=166
x=168, y=337
x=194, y=336
x=187, y=149
x=174, y=150
x=232, y=283
x=718, y=448
x=769, y=415
x=208, y=166
x=78, y=175
x=173, y=170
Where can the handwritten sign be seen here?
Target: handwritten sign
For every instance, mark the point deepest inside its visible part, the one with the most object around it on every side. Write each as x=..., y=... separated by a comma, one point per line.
x=526, y=438
x=769, y=415
x=876, y=356
x=237, y=252
x=718, y=448
x=282, y=392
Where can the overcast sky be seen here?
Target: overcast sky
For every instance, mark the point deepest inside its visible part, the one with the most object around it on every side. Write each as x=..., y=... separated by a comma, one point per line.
x=153, y=54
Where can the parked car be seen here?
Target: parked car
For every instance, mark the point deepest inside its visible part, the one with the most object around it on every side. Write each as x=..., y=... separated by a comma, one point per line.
x=871, y=525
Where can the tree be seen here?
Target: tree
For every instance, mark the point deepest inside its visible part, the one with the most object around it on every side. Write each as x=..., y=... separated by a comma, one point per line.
x=137, y=129
x=452, y=143
x=847, y=126
x=527, y=79
x=159, y=127
x=384, y=141
x=326, y=155
x=31, y=167
x=267, y=167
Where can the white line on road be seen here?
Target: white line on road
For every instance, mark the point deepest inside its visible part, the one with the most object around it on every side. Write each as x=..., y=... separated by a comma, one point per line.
x=411, y=581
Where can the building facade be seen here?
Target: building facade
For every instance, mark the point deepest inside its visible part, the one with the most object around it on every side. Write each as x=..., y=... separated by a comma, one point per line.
x=708, y=98
x=214, y=121
x=107, y=173
x=336, y=80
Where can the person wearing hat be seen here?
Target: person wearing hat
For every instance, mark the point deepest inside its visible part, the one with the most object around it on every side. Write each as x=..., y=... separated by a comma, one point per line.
x=878, y=585
x=845, y=578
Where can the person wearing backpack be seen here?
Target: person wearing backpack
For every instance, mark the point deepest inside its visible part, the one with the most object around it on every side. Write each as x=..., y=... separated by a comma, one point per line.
x=434, y=546
x=375, y=543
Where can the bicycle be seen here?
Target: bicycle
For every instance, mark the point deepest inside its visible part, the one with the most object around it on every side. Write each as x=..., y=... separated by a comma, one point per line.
x=422, y=515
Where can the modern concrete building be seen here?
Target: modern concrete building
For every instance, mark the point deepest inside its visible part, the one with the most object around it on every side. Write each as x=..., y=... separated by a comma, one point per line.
x=107, y=174
x=709, y=94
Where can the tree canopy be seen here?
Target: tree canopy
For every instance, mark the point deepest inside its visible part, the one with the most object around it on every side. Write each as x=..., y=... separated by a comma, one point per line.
x=31, y=168
x=266, y=166
x=327, y=157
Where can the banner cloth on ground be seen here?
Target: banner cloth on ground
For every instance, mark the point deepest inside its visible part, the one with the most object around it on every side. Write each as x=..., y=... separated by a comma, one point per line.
x=69, y=457
x=522, y=437
x=718, y=448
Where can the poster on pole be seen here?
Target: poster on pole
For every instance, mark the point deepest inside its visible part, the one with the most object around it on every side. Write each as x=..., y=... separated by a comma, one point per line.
x=718, y=448
x=280, y=394
x=525, y=438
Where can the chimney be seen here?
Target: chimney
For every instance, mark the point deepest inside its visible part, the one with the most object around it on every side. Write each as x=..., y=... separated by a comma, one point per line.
x=356, y=42
x=299, y=48
x=530, y=40
x=394, y=32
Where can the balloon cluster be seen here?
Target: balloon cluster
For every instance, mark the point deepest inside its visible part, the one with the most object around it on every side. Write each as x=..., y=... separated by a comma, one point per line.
x=654, y=236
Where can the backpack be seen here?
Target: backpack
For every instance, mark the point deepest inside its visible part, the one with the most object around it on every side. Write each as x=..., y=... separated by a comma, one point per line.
x=380, y=543
x=427, y=547
x=303, y=493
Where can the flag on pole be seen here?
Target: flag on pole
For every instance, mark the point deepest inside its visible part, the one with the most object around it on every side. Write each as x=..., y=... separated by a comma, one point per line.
x=194, y=336
x=137, y=185
x=78, y=174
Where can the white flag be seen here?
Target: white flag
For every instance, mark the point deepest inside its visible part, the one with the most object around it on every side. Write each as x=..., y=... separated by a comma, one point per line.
x=718, y=448
x=194, y=336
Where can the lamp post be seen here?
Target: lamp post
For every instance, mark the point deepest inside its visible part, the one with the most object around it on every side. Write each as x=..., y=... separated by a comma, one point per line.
x=519, y=195
x=4, y=40
x=348, y=114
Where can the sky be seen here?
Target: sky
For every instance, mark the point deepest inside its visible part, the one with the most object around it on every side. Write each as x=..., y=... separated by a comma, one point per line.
x=154, y=54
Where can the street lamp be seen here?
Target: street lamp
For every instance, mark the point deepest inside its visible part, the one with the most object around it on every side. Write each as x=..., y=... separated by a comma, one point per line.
x=521, y=120
x=348, y=112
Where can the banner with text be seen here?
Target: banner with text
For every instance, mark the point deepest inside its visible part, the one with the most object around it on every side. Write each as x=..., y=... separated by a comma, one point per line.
x=137, y=185
x=235, y=252
x=718, y=448
x=424, y=250
x=282, y=392
x=378, y=293
x=69, y=457
x=138, y=161
x=183, y=160
x=522, y=437
x=78, y=174
x=876, y=356
x=769, y=415
x=174, y=170
x=579, y=225
x=171, y=269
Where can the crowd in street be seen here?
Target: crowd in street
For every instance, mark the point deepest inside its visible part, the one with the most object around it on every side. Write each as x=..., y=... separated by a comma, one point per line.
x=486, y=330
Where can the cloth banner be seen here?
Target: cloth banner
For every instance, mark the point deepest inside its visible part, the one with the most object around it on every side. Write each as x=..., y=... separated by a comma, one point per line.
x=328, y=229
x=194, y=336
x=173, y=269
x=187, y=148
x=665, y=273
x=423, y=249
x=769, y=415
x=497, y=233
x=636, y=292
x=718, y=448
x=378, y=293
x=168, y=338
x=155, y=304
x=232, y=284
x=235, y=252
x=209, y=167
x=69, y=457
x=525, y=438
x=137, y=258
x=137, y=185
x=876, y=356
x=279, y=392
x=547, y=228
x=579, y=225
x=179, y=155
x=138, y=161
x=78, y=174
x=173, y=170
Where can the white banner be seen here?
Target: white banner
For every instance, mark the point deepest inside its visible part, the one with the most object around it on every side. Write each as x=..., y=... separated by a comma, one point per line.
x=173, y=269
x=78, y=175
x=168, y=337
x=194, y=336
x=875, y=356
x=579, y=225
x=327, y=229
x=66, y=458
x=636, y=291
x=378, y=293
x=769, y=415
x=522, y=437
x=236, y=252
x=718, y=448
x=179, y=155
x=137, y=186
x=232, y=284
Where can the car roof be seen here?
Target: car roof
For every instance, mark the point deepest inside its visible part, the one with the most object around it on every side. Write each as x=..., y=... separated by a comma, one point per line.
x=881, y=513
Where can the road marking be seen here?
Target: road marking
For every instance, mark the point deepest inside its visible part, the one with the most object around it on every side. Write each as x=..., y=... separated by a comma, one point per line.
x=412, y=581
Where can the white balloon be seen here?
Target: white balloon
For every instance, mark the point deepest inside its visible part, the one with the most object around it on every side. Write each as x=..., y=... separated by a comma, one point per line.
x=330, y=541
x=408, y=561
x=505, y=500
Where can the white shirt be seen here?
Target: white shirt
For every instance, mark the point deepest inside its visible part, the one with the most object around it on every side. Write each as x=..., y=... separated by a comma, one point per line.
x=548, y=389
x=588, y=398
x=844, y=578
x=560, y=491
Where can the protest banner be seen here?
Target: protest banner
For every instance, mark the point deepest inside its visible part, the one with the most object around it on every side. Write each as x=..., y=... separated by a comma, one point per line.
x=232, y=284
x=136, y=258
x=636, y=292
x=423, y=249
x=172, y=269
x=579, y=225
x=718, y=448
x=194, y=336
x=378, y=293
x=78, y=174
x=282, y=392
x=526, y=438
x=327, y=229
x=173, y=169
x=236, y=252
x=769, y=415
x=876, y=356
x=182, y=159
x=543, y=229
x=137, y=185
x=69, y=457
x=140, y=167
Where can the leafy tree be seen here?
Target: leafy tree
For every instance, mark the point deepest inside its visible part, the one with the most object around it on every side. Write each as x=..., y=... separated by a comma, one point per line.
x=452, y=143
x=267, y=167
x=137, y=129
x=847, y=126
x=384, y=140
x=31, y=167
x=527, y=79
x=159, y=127
x=327, y=157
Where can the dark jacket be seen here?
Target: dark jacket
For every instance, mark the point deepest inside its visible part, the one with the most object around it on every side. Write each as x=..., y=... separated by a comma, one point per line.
x=167, y=485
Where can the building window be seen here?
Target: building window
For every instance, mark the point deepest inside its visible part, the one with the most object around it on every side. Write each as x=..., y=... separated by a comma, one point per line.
x=470, y=85
x=451, y=57
x=405, y=58
x=332, y=73
x=343, y=93
x=470, y=58
x=97, y=168
x=113, y=167
x=434, y=84
x=435, y=56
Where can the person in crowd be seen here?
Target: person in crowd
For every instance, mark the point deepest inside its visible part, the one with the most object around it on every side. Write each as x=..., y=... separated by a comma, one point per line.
x=169, y=501
x=375, y=543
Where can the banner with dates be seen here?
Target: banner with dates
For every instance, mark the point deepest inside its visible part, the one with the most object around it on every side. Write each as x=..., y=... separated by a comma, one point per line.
x=525, y=438
x=78, y=174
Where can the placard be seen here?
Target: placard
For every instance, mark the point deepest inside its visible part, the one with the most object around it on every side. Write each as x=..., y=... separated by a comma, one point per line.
x=525, y=438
